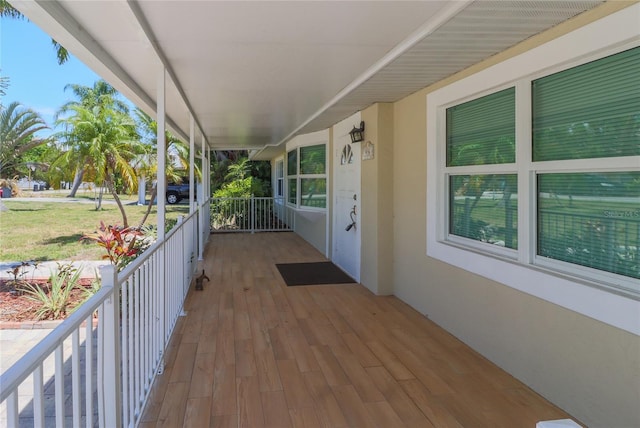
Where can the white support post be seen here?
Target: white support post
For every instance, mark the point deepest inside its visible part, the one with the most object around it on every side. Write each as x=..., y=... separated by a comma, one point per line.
x=162, y=153
x=203, y=166
x=192, y=144
x=252, y=213
x=162, y=188
x=184, y=251
x=206, y=177
x=111, y=376
x=206, y=198
x=192, y=149
x=202, y=199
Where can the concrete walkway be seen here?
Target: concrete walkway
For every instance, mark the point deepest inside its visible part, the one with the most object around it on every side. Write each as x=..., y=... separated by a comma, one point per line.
x=14, y=345
x=45, y=269
x=67, y=200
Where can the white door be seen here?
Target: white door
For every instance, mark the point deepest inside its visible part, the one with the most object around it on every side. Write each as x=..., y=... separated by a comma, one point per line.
x=346, y=199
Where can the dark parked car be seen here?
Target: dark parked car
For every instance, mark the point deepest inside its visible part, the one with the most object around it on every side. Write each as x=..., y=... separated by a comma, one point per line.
x=177, y=192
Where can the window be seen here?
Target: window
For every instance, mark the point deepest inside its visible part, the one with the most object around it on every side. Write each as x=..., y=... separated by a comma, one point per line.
x=590, y=217
x=307, y=177
x=292, y=181
x=591, y=111
x=533, y=171
x=279, y=178
x=483, y=207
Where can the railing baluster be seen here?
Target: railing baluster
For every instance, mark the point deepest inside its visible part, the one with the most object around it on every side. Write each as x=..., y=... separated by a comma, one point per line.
x=137, y=369
x=100, y=368
x=88, y=373
x=147, y=327
x=127, y=341
x=59, y=386
x=38, y=397
x=12, y=409
x=76, y=397
x=255, y=214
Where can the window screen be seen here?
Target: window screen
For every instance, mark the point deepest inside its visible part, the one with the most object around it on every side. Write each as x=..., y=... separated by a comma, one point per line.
x=484, y=208
x=292, y=191
x=292, y=162
x=591, y=219
x=482, y=131
x=589, y=111
x=313, y=192
x=312, y=159
x=280, y=178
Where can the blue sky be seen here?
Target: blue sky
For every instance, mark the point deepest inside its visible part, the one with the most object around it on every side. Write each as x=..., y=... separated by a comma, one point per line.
x=35, y=78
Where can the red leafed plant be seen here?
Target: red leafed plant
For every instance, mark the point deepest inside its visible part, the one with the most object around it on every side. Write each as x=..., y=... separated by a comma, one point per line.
x=119, y=242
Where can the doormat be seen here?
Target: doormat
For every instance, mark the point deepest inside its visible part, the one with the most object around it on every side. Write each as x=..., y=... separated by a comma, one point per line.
x=313, y=274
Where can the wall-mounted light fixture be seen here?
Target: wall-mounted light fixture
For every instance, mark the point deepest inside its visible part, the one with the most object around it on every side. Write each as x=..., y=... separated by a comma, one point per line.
x=357, y=134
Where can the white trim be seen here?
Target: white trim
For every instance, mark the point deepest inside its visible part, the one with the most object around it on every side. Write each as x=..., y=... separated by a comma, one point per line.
x=279, y=159
x=611, y=34
x=313, y=139
x=341, y=137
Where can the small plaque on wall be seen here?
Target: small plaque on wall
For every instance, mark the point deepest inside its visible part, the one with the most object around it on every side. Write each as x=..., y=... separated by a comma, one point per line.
x=368, y=151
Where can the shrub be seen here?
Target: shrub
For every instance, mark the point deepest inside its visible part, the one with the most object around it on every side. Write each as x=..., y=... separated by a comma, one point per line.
x=53, y=304
x=120, y=243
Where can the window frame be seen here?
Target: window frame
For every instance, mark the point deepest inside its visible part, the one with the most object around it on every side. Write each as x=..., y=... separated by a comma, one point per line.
x=597, y=294
x=484, y=169
x=299, y=176
x=278, y=179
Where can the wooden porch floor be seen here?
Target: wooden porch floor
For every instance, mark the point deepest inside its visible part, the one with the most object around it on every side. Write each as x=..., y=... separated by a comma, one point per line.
x=252, y=352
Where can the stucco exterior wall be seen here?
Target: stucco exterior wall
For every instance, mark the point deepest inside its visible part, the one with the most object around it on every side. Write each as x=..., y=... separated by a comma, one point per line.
x=312, y=226
x=377, y=193
x=588, y=368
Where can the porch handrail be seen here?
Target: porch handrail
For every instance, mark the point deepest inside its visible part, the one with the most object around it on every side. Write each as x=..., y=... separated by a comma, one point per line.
x=132, y=338
x=251, y=214
x=20, y=371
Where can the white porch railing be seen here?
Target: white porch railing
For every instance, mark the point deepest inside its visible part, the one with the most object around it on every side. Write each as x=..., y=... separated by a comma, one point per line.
x=251, y=215
x=107, y=383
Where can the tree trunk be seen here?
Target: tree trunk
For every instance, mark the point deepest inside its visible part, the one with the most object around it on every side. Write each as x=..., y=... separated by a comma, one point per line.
x=77, y=181
x=154, y=193
x=99, y=198
x=112, y=189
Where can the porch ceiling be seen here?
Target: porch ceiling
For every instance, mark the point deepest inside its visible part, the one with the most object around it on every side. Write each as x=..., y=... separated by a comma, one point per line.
x=256, y=73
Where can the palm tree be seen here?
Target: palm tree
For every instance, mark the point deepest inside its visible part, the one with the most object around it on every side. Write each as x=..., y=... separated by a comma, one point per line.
x=17, y=134
x=4, y=84
x=238, y=170
x=6, y=10
x=101, y=96
x=177, y=150
x=106, y=139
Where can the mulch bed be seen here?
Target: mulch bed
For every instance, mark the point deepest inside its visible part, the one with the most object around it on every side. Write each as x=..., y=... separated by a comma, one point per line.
x=16, y=307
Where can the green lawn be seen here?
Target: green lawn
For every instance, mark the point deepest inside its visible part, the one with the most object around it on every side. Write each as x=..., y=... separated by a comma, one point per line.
x=44, y=231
